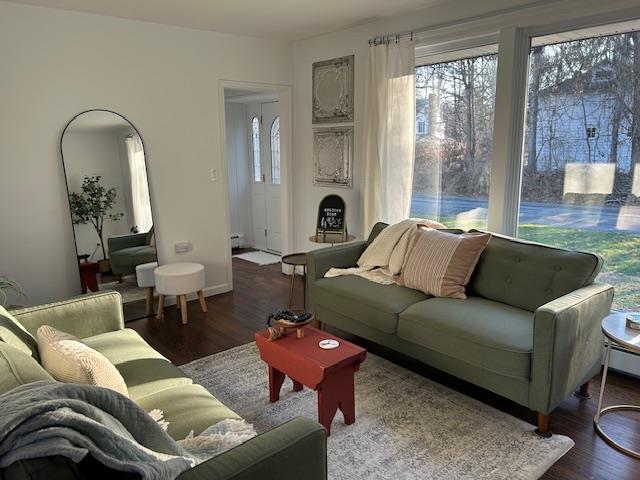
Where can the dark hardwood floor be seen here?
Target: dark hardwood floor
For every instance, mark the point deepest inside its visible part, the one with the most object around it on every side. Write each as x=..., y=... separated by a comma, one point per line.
x=233, y=318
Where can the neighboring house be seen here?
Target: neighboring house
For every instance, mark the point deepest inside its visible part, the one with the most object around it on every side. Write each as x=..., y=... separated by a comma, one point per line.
x=575, y=124
x=429, y=116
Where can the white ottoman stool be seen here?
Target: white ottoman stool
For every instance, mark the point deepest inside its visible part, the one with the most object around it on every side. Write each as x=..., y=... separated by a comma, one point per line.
x=179, y=279
x=146, y=279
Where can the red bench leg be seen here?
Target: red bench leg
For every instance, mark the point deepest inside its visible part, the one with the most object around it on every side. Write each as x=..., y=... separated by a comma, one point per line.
x=335, y=392
x=276, y=378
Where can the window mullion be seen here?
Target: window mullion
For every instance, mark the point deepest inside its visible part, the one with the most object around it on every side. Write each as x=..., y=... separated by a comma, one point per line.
x=508, y=131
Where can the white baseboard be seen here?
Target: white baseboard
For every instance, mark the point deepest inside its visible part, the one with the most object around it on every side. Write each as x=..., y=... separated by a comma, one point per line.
x=208, y=292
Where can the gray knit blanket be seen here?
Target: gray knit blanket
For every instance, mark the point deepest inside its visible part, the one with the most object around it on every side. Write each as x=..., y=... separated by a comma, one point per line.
x=46, y=418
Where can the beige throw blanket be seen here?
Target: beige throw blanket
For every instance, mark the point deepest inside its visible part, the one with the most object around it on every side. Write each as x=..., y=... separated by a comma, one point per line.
x=382, y=261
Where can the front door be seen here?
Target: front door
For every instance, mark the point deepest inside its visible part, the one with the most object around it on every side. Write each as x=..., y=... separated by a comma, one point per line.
x=265, y=190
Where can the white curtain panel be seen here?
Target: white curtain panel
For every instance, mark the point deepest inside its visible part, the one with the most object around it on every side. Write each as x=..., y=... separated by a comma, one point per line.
x=389, y=137
x=140, y=199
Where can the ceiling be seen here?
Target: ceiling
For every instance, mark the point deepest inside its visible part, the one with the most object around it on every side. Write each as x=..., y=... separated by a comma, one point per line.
x=278, y=19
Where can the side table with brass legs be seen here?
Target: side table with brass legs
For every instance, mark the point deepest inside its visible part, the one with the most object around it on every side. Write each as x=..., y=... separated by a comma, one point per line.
x=616, y=331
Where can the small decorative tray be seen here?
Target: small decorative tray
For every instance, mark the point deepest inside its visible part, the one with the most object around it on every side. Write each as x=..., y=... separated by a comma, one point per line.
x=284, y=320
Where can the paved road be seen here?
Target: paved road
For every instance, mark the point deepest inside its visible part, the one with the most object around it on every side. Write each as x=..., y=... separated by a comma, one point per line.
x=626, y=219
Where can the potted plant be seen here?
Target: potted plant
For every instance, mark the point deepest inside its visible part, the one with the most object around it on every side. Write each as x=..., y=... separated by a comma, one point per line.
x=8, y=284
x=93, y=205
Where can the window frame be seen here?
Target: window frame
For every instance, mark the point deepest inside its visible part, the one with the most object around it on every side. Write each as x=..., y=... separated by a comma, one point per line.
x=514, y=45
x=517, y=43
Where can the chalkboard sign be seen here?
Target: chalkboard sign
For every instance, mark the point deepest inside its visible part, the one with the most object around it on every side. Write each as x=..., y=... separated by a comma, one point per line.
x=331, y=216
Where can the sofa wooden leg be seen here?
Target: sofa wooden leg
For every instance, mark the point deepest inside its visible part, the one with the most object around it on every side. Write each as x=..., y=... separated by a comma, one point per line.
x=543, y=425
x=583, y=391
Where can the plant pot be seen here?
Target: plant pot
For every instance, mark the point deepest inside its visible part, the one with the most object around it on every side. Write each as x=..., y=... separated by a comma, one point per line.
x=104, y=265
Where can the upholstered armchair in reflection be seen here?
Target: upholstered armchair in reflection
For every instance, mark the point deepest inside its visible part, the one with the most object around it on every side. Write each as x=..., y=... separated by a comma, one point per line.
x=128, y=251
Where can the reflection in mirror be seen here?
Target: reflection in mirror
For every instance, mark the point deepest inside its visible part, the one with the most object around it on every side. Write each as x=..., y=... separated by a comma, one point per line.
x=106, y=174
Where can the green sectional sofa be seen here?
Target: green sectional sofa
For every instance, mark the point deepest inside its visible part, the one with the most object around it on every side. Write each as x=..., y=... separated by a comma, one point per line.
x=529, y=329
x=291, y=451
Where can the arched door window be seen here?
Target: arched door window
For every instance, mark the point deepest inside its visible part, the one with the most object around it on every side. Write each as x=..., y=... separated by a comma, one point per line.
x=275, y=151
x=255, y=144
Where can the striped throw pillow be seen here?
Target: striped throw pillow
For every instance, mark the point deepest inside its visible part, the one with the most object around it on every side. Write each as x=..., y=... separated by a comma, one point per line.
x=441, y=263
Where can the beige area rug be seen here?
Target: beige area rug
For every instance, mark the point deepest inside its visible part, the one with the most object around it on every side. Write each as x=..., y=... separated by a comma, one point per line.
x=407, y=426
x=129, y=289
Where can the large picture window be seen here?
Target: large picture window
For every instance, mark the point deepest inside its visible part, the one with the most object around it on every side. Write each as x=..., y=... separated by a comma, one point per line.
x=454, y=127
x=581, y=180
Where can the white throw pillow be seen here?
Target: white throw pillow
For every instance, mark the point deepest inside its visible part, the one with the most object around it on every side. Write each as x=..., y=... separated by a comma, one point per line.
x=69, y=360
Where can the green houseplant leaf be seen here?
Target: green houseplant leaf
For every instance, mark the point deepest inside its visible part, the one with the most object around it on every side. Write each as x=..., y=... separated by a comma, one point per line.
x=8, y=284
x=93, y=205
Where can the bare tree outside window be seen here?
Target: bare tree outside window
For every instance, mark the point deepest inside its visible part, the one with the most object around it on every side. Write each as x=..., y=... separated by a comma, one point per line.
x=454, y=112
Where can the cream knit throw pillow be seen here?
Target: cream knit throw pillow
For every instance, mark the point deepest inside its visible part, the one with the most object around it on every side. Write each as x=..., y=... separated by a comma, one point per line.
x=69, y=360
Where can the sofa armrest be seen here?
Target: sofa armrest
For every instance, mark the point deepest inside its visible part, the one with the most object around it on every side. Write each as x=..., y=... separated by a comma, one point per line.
x=567, y=344
x=294, y=450
x=121, y=242
x=342, y=256
x=82, y=316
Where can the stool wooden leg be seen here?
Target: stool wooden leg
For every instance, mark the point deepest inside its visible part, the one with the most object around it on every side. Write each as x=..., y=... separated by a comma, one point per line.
x=160, y=306
x=149, y=301
x=183, y=308
x=203, y=304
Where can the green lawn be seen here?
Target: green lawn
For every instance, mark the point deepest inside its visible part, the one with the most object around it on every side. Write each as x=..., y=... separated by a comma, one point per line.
x=621, y=253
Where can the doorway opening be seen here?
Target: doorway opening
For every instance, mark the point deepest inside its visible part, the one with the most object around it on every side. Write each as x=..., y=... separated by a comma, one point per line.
x=256, y=127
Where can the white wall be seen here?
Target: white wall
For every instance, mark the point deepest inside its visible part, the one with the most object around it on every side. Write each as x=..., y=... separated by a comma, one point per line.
x=91, y=153
x=449, y=21
x=239, y=170
x=164, y=79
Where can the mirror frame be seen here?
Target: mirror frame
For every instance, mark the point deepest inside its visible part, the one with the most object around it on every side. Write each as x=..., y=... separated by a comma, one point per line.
x=66, y=181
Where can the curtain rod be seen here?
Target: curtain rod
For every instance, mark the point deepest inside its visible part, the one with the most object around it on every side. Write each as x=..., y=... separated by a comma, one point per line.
x=387, y=39
x=397, y=37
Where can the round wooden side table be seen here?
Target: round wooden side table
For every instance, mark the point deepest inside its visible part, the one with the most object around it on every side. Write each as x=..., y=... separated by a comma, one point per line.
x=297, y=260
x=616, y=331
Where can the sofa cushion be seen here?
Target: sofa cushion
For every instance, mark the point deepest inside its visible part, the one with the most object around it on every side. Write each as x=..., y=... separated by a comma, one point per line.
x=13, y=333
x=133, y=256
x=186, y=408
x=69, y=360
x=144, y=370
x=483, y=333
x=18, y=368
x=527, y=275
x=373, y=304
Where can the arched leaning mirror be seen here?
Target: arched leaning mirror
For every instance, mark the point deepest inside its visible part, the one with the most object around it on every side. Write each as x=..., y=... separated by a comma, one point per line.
x=106, y=174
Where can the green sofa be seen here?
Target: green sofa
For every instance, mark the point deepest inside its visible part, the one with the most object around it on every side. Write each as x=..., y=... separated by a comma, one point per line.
x=291, y=451
x=128, y=251
x=529, y=329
